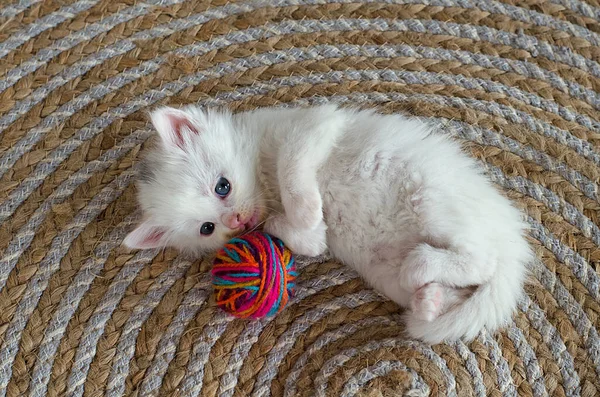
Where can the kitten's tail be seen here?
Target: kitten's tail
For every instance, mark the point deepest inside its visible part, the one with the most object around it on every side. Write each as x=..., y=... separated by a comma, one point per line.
x=491, y=306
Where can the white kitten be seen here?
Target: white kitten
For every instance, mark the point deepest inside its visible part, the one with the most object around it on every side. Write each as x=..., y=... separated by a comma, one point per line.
x=388, y=196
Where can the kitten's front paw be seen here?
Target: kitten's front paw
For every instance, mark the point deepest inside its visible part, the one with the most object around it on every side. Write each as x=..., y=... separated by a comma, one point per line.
x=307, y=242
x=304, y=209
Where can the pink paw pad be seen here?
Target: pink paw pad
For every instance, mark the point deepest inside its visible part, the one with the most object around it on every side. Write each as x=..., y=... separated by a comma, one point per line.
x=426, y=302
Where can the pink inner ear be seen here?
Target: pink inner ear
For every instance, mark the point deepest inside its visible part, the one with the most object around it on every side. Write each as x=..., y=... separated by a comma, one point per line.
x=145, y=236
x=178, y=123
x=154, y=237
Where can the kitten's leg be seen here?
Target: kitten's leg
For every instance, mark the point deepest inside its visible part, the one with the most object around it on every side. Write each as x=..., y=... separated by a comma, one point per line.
x=426, y=302
x=453, y=250
x=301, y=197
x=390, y=287
x=451, y=261
x=307, y=145
x=309, y=242
x=384, y=278
x=426, y=264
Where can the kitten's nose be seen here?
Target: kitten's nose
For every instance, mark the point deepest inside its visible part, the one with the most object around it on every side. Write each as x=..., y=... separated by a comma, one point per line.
x=233, y=221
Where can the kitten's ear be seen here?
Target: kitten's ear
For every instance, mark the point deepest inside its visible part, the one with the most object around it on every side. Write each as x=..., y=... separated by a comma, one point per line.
x=145, y=236
x=173, y=125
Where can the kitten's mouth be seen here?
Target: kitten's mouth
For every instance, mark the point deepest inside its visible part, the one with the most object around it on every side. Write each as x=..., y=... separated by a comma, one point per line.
x=253, y=222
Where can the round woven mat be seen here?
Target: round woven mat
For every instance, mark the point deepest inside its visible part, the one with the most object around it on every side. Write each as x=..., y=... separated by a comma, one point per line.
x=516, y=80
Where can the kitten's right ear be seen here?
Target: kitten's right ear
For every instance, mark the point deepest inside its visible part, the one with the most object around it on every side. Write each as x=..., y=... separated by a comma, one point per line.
x=173, y=125
x=145, y=236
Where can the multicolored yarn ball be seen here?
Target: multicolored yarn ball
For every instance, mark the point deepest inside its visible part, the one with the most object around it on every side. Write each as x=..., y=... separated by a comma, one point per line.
x=253, y=276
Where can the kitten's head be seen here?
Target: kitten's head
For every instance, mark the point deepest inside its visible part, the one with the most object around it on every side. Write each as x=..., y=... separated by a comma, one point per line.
x=198, y=187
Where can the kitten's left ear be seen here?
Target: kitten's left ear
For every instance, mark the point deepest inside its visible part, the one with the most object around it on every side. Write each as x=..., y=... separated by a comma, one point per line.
x=174, y=126
x=145, y=236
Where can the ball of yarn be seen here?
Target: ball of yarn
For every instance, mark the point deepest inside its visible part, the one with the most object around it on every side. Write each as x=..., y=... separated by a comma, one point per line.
x=253, y=276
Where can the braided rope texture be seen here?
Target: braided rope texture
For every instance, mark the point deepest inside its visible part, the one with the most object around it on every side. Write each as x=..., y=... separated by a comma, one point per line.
x=516, y=81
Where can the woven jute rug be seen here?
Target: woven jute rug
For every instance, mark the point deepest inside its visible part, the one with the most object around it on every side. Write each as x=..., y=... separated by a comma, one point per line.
x=516, y=80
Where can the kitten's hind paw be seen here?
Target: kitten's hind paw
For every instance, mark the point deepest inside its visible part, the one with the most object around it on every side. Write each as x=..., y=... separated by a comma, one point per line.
x=427, y=302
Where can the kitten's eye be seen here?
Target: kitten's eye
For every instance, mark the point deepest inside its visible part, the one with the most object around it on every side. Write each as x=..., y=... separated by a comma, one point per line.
x=207, y=228
x=223, y=187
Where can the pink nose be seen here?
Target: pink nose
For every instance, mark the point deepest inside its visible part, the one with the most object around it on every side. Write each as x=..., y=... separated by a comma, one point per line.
x=233, y=221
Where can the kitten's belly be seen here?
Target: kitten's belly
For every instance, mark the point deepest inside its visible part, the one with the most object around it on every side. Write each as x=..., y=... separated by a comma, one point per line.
x=368, y=208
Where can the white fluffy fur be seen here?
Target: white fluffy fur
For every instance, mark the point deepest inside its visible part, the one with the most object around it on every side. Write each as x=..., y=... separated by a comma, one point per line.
x=388, y=196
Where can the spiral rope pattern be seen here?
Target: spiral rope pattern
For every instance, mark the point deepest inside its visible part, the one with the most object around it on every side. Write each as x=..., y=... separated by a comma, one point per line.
x=517, y=81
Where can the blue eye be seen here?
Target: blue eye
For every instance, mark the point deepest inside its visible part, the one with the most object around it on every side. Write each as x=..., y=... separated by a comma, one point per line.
x=223, y=187
x=207, y=228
